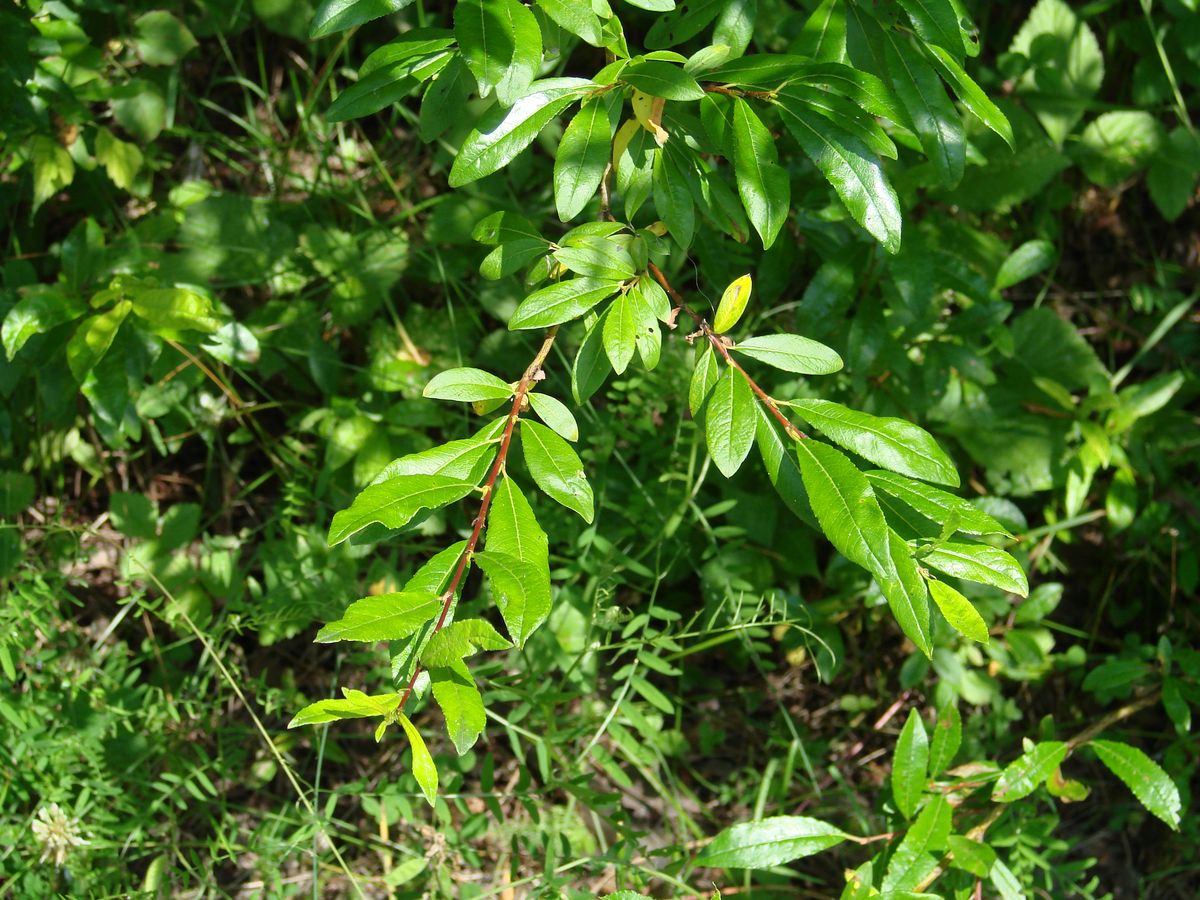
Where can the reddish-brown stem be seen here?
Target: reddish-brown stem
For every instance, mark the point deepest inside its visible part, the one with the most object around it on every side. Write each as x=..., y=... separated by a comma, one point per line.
x=460, y=569
x=723, y=348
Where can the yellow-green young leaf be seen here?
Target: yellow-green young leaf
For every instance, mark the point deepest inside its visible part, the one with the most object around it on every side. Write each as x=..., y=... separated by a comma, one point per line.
x=171, y=310
x=333, y=16
x=730, y=421
x=893, y=443
x=980, y=563
x=769, y=842
x=581, y=158
x=910, y=765
x=733, y=304
x=462, y=705
x=41, y=308
x=356, y=705
x=705, y=375
x=947, y=737
x=502, y=44
x=914, y=859
x=92, y=339
x=1021, y=777
x=467, y=385
x=394, y=503
x=384, y=617
x=1150, y=784
x=556, y=468
x=561, y=302
x=845, y=506
x=935, y=504
x=422, y=761
x=764, y=187
x=791, y=353
x=959, y=612
x=460, y=639
x=620, y=332
x=555, y=413
x=121, y=160
x=53, y=168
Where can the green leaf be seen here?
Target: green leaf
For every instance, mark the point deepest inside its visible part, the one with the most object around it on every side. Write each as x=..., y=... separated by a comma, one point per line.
x=1025, y=262
x=459, y=639
x=906, y=593
x=782, y=468
x=855, y=173
x=445, y=99
x=769, y=842
x=733, y=303
x=620, y=332
x=947, y=738
x=764, y=187
x=1152, y=786
x=979, y=563
x=821, y=99
x=1022, y=776
x=577, y=18
x=730, y=421
x=971, y=856
x=705, y=375
x=591, y=366
x=582, y=155
x=959, y=612
x=671, y=189
x=791, y=353
x=893, y=443
x=464, y=460
x=170, y=310
x=394, y=503
x=936, y=23
x=502, y=45
x=161, y=39
x=555, y=413
x=1117, y=144
x=823, y=36
x=521, y=591
x=462, y=705
x=561, y=302
x=513, y=531
x=423, y=768
x=971, y=95
x=337, y=15
x=16, y=492
x=662, y=79
x=356, y=705
x=384, y=617
x=934, y=117
x=913, y=860
x=845, y=506
x=935, y=504
x=92, y=339
x=121, y=159
x=1172, y=174
x=468, y=385
x=556, y=468
x=42, y=308
x=910, y=765
x=503, y=133
x=384, y=85
x=596, y=257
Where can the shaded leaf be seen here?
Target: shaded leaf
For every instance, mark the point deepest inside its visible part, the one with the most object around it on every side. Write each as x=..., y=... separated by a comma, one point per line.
x=730, y=421
x=1152, y=786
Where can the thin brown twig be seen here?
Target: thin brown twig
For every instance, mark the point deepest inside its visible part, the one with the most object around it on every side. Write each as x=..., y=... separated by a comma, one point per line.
x=527, y=381
x=723, y=348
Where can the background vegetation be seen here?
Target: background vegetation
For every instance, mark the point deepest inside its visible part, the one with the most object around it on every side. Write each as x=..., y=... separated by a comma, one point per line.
x=221, y=305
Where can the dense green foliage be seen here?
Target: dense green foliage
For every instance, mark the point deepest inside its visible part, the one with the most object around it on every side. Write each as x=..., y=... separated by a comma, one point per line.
x=739, y=444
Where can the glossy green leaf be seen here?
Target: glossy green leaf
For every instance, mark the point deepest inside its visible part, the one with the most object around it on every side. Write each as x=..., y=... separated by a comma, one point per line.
x=845, y=506
x=791, y=353
x=520, y=590
x=333, y=16
x=936, y=120
x=467, y=385
x=671, y=188
x=764, y=187
x=906, y=593
x=42, y=308
x=384, y=617
x=423, y=768
x=556, y=414
x=93, y=338
x=936, y=23
x=971, y=856
x=972, y=95
x=459, y=639
x=502, y=45
x=662, y=79
x=577, y=18
x=947, y=738
x=914, y=858
x=935, y=504
x=844, y=113
x=505, y=132
x=910, y=764
x=556, y=468
x=683, y=23
x=513, y=531
x=464, y=460
x=959, y=611
x=979, y=563
x=1152, y=786
x=1022, y=777
x=782, y=468
x=596, y=257
x=591, y=366
x=445, y=98
x=582, y=156
x=355, y=705
x=462, y=705
x=382, y=86
x=561, y=302
x=894, y=443
x=823, y=36
x=855, y=173
x=620, y=332
x=730, y=421
x=705, y=374
x=394, y=503
x=769, y=842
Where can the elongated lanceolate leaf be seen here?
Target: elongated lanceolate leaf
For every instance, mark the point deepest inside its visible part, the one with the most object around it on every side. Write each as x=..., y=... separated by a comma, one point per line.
x=462, y=705
x=502, y=44
x=385, y=617
x=581, y=158
x=980, y=563
x=782, y=468
x=936, y=22
x=467, y=385
x=422, y=761
x=947, y=737
x=385, y=85
x=906, y=593
x=936, y=120
x=730, y=421
x=561, y=302
x=1021, y=777
x=662, y=79
x=893, y=443
x=503, y=133
x=765, y=188
x=1150, y=784
x=705, y=375
x=769, y=842
x=355, y=705
x=914, y=859
x=556, y=468
x=934, y=504
x=791, y=353
x=464, y=460
x=845, y=506
x=959, y=612
x=394, y=503
x=333, y=16
x=524, y=589
x=972, y=95
x=910, y=764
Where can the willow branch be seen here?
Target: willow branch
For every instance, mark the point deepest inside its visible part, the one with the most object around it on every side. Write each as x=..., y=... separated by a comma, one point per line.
x=722, y=347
